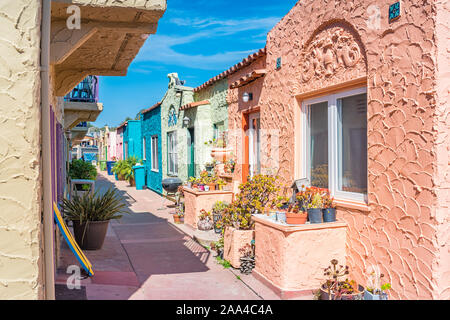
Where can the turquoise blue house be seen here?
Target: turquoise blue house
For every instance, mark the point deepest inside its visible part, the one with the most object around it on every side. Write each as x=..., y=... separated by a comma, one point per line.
x=151, y=141
x=132, y=139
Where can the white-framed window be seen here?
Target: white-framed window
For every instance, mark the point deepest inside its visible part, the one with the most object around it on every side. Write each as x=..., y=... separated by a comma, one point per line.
x=144, y=148
x=172, y=156
x=154, y=147
x=335, y=143
x=126, y=151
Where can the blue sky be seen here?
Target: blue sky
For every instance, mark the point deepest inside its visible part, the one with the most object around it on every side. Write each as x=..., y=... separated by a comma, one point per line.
x=198, y=39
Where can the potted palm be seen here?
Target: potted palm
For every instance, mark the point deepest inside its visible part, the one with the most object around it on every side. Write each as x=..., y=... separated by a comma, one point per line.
x=91, y=214
x=127, y=170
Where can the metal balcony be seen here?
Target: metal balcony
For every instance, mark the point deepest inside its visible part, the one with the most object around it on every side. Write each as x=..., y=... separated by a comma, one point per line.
x=85, y=91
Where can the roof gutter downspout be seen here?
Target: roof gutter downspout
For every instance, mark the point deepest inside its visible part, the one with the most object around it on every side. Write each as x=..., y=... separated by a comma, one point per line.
x=49, y=252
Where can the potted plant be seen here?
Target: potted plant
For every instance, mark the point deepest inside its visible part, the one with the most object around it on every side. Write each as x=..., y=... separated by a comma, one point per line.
x=219, y=151
x=205, y=222
x=229, y=166
x=178, y=217
x=79, y=169
x=191, y=182
x=91, y=214
x=209, y=166
x=338, y=286
x=329, y=209
x=253, y=197
x=217, y=212
x=221, y=183
x=375, y=290
x=295, y=216
x=218, y=247
x=127, y=170
x=315, y=214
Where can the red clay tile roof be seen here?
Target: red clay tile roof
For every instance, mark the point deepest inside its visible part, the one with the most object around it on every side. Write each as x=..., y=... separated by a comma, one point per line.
x=194, y=104
x=151, y=108
x=122, y=125
x=247, y=61
x=252, y=76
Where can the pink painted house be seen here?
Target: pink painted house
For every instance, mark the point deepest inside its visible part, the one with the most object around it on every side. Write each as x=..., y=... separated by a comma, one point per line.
x=359, y=104
x=112, y=146
x=119, y=143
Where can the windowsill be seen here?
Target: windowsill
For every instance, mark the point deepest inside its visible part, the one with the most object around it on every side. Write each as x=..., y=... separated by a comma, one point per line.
x=155, y=171
x=172, y=175
x=352, y=204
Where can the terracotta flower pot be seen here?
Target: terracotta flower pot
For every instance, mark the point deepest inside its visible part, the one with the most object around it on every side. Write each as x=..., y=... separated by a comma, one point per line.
x=296, y=218
x=212, y=186
x=178, y=219
x=92, y=236
x=132, y=182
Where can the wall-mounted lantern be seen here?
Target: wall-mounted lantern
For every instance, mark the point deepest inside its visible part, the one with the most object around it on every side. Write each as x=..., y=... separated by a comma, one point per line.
x=186, y=121
x=247, y=96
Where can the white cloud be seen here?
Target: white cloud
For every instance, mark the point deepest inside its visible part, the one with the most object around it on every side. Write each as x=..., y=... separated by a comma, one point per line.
x=160, y=48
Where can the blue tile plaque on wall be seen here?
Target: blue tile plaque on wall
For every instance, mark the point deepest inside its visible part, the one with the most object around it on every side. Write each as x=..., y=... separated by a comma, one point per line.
x=278, y=63
x=394, y=11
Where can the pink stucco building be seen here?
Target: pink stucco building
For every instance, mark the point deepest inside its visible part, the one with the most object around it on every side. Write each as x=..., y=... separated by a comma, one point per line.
x=112, y=146
x=360, y=105
x=119, y=143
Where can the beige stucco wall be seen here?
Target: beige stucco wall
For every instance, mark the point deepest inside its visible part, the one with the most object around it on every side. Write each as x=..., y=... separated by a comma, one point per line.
x=20, y=185
x=406, y=230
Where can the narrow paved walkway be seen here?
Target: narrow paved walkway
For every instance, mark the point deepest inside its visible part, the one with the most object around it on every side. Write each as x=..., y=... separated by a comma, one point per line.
x=145, y=256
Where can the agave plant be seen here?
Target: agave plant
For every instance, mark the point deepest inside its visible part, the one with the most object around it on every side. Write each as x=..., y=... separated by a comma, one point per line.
x=94, y=207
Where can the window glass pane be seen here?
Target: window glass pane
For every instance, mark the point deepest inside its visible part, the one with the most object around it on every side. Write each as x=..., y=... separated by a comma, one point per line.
x=318, y=114
x=352, y=144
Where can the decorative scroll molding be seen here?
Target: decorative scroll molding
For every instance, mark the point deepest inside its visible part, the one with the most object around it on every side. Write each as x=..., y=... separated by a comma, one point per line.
x=331, y=53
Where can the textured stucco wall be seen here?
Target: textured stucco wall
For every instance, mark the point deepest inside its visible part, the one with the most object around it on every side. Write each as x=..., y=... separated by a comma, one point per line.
x=441, y=269
x=151, y=126
x=216, y=94
x=132, y=135
x=171, y=99
x=21, y=252
x=406, y=231
x=237, y=109
x=292, y=260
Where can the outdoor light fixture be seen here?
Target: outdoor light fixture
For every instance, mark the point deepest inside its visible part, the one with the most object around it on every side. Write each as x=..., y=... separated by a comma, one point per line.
x=186, y=121
x=246, y=97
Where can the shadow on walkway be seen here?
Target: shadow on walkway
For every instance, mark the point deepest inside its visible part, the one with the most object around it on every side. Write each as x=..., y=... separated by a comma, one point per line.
x=139, y=246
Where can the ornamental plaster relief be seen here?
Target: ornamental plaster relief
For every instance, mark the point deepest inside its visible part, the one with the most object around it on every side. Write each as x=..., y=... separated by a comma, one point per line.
x=331, y=57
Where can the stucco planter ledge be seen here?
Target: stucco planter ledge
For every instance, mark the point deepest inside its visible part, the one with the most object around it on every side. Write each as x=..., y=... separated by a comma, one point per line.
x=195, y=201
x=290, y=259
x=235, y=240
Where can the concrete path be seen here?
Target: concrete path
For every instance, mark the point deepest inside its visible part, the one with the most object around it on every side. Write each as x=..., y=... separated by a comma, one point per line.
x=146, y=256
